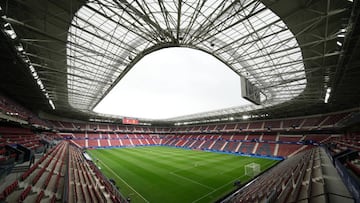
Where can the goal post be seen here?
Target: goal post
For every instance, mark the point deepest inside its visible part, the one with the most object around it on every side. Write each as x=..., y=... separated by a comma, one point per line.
x=252, y=169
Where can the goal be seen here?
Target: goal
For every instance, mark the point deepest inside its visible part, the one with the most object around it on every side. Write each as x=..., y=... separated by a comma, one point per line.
x=252, y=169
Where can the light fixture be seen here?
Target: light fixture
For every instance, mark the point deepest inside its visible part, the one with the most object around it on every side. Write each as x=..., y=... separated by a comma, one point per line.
x=327, y=95
x=19, y=47
x=339, y=43
x=32, y=69
x=9, y=30
x=52, y=104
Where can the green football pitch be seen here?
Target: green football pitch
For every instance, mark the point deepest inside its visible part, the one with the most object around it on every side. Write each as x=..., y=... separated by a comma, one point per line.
x=166, y=174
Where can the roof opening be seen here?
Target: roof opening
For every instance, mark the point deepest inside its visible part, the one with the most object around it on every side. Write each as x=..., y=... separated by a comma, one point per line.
x=174, y=82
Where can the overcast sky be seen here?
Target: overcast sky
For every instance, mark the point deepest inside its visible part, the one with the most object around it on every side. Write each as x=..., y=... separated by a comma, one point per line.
x=173, y=82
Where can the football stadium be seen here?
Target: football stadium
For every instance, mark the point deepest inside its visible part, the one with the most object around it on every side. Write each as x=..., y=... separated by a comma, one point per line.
x=180, y=101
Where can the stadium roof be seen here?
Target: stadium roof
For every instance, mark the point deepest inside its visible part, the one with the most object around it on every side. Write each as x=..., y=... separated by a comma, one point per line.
x=75, y=51
x=107, y=37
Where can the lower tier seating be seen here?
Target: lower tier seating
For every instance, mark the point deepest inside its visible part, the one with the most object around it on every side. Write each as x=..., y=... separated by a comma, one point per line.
x=307, y=177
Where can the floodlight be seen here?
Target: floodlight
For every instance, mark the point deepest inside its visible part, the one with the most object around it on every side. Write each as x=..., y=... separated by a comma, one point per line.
x=19, y=47
x=52, y=104
x=32, y=69
x=327, y=95
x=9, y=30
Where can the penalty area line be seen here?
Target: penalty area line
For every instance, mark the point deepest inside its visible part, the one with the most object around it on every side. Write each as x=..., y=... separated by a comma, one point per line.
x=113, y=172
x=193, y=181
x=202, y=197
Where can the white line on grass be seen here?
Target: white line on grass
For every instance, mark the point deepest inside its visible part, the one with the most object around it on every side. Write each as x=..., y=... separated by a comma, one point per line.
x=202, y=197
x=202, y=163
x=113, y=172
x=193, y=181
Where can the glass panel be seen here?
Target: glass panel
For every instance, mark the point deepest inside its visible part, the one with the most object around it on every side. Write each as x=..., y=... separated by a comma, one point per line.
x=105, y=36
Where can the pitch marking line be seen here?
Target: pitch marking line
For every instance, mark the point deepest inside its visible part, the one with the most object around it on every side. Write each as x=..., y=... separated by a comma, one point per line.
x=193, y=181
x=113, y=172
x=202, y=163
x=222, y=186
x=216, y=189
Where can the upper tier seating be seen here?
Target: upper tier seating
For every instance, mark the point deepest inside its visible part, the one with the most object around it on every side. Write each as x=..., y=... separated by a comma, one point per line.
x=21, y=136
x=11, y=109
x=289, y=124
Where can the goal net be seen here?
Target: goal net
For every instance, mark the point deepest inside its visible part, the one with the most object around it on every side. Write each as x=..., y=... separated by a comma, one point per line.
x=252, y=169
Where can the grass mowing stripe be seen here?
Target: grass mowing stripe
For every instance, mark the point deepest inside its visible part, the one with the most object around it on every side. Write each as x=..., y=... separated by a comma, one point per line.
x=123, y=181
x=176, y=157
x=204, y=162
x=149, y=179
x=106, y=156
x=148, y=171
x=149, y=167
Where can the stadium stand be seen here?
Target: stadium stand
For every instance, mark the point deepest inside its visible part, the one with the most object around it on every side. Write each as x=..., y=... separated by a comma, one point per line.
x=307, y=177
x=256, y=125
x=84, y=185
x=332, y=120
x=58, y=61
x=292, y=123
x=248, y=144
x=256, y=139
x=11, y=110
x=46, y=175
x=47, y=178
x=306, y=123
x=291, y=139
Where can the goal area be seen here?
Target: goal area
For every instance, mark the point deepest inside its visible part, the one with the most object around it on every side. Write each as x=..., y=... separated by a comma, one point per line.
x=252, y=169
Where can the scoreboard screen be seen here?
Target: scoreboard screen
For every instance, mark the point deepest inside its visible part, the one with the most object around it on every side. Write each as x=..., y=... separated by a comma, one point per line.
x=130, y=121
x=250, y=91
